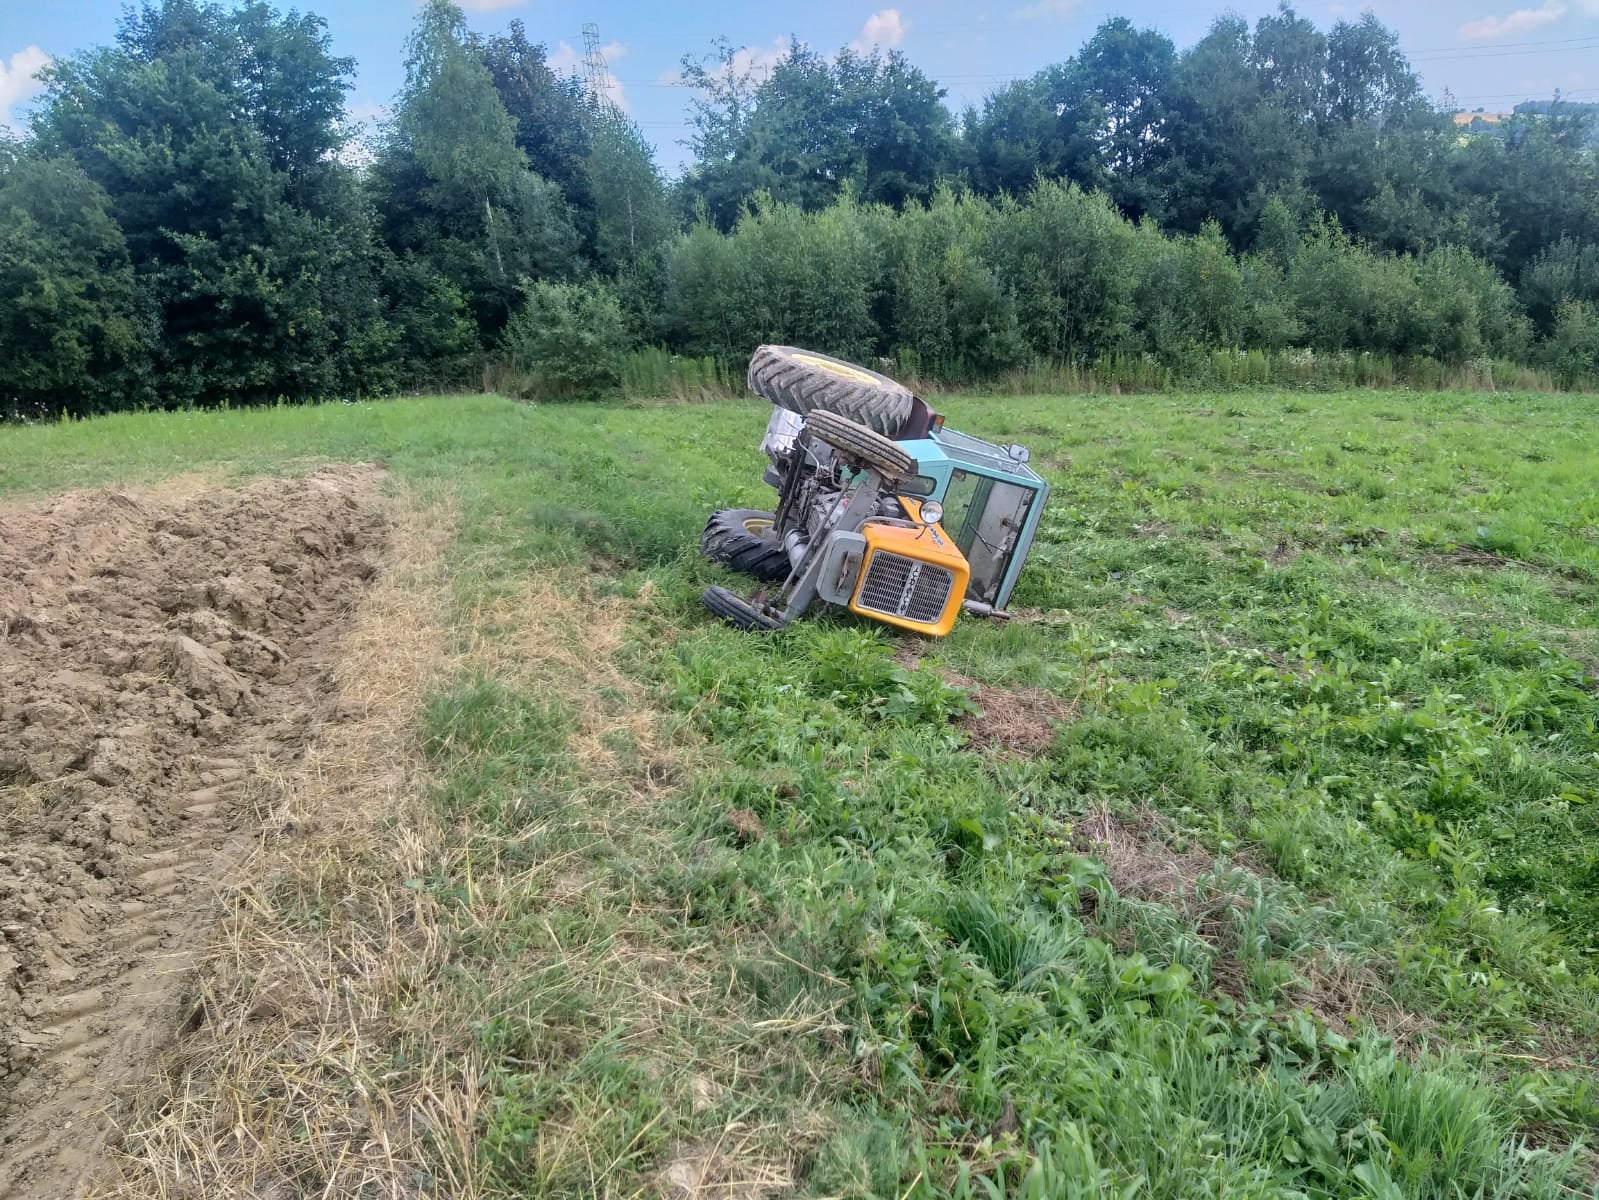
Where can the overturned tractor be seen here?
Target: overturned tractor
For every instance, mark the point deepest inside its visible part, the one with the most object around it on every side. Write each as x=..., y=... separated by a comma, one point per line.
x=881, y=509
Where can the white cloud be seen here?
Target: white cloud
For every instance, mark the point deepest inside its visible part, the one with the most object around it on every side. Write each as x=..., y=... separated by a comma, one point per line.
x=567, y=61
x=884, y=29
x=1521, y=21
x=759, y=61
x=1047, y=10
x=613, y=86
x=489, y=5
x=19, y=80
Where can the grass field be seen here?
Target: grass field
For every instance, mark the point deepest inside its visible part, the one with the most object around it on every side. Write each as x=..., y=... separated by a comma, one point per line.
x=1299, y=896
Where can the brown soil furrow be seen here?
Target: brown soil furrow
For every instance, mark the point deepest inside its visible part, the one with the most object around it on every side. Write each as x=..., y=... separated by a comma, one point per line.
x=161, y=655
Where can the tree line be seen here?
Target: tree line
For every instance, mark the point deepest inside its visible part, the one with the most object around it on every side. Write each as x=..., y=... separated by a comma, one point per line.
x=193, y=219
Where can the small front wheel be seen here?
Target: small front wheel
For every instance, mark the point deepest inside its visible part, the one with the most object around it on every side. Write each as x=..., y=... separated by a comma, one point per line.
x=867, y=445
x=736, y=610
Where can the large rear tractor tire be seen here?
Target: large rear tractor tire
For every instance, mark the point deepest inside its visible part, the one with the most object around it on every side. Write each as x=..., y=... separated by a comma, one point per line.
x=854, y=439
x=804, y=382
x=741, y=538
x=736, y=610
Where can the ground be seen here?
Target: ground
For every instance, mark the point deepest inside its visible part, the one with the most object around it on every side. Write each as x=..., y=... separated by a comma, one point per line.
x=384, y=816
x=162, y=652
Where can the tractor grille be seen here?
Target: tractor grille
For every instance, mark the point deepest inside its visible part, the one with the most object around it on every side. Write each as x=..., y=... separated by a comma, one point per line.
x=905, y=587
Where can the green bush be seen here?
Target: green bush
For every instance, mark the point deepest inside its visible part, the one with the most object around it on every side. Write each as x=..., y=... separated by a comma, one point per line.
x=568, y=340
x=1567, y=270
x=435, y=338
x=1058, y=285
x=783, y=275
x=1572, y=352
x=1065, y=254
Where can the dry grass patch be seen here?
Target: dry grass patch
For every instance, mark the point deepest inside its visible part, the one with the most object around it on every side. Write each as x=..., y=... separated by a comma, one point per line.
x=313, y=1050
x=1229, y=907
x=1017, y=721
x=561, y=635
x=1138, y=859
x=725, y=1169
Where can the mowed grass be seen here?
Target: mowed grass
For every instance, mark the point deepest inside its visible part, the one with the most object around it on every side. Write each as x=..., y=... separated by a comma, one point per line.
x=1302, y=899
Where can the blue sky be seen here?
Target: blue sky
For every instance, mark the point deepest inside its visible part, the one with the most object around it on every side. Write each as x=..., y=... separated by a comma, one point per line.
x=1489, y=53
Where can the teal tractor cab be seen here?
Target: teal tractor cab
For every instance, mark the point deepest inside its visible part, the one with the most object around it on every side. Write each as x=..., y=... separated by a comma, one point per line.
x=992, y=502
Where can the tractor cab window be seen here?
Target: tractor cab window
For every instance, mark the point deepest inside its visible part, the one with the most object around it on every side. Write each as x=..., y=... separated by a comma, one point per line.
x=985, y=516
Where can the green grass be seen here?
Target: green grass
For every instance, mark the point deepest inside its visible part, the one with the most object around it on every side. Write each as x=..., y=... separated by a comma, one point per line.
x=1344, y=646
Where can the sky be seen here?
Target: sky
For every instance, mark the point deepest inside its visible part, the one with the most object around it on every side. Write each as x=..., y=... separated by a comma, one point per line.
x=1489, y=54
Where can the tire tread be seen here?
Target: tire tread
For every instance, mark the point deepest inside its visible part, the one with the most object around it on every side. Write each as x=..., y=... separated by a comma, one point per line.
x=880, y=404
x=736, y=610
x=725, y=540
x=853, y=438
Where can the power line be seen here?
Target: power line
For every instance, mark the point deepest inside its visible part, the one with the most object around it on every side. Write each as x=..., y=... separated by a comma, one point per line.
x=997, y=25
x=1561, y=41
x=1565, y=45
x=1473, y=57
x=1565, y=94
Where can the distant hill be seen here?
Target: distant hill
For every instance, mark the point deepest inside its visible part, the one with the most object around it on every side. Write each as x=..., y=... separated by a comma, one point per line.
x=1480, y=121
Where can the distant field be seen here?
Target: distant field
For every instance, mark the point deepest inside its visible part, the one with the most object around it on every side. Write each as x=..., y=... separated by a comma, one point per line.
x=1269, y=867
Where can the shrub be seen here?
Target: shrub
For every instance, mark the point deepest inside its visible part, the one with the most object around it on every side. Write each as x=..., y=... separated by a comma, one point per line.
x=1466, y=309
x=1566, y=270
x=782, y=275
x=705, y=295
x=1058, y=284
x=1065, y=253
x=1270, y=322
x=1572, y=352
x=567, y=339
x=436, y=340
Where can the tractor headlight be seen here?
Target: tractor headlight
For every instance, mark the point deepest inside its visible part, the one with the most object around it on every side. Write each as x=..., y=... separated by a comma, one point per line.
x=932, y=512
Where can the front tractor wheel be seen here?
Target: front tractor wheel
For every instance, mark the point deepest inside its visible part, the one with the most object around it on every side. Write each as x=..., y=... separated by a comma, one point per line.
x=736, y=610
x=856, y=440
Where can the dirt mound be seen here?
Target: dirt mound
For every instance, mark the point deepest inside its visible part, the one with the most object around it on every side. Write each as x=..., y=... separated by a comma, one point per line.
x=1018, y=721
x=1138, y=859
x=160, y=653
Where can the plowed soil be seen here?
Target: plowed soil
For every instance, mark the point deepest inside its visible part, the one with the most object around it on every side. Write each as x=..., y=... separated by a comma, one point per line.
x=162, y=655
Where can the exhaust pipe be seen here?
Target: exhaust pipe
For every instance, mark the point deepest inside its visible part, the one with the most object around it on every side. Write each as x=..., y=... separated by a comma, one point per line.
x=979, y=609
